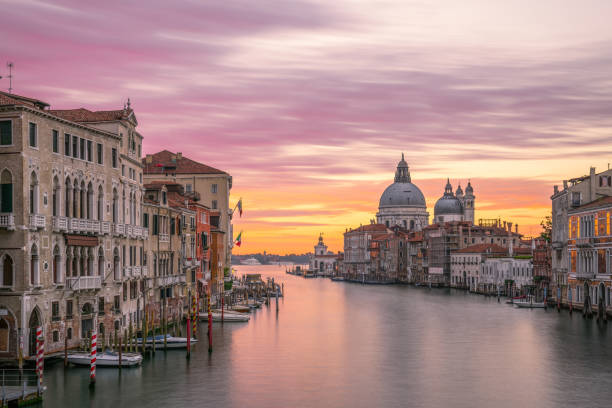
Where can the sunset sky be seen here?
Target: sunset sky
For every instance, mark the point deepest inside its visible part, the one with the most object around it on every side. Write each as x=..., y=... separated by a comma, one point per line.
x=309, y=104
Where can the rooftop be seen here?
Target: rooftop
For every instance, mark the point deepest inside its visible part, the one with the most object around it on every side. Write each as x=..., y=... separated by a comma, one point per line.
x=166, y=161
x=483, y=248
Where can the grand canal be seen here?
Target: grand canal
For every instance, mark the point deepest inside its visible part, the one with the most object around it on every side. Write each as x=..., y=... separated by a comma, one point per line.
x=334, y=344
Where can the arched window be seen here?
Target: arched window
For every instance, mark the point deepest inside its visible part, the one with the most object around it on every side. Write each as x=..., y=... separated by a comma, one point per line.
x=123, y=208
x=68, y=262
x=115, y=206
x=56, y=197
x=68, y=198
x=100, y=204
x=33, y=193
x=34, y=266
x=411, y=224
x=7, y=271
x=57, y=267
x=90, y=199
x=75, y=199
x=90, y=262
x=101, y=262
x=116, y=265
x=83, y=201
x=6, y=192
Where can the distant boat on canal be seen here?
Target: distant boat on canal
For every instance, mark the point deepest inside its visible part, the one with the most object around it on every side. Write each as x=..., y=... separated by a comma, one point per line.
x=250, y=261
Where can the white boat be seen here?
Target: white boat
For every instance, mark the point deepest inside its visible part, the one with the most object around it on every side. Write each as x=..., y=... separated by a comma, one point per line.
x=240, y=308
x=250, y=261
x=171, y=342
x=106, y=359
x=528, y=302
x=227, y=317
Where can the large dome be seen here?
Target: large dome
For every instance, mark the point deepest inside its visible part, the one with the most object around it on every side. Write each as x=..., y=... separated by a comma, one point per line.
x=402, y=194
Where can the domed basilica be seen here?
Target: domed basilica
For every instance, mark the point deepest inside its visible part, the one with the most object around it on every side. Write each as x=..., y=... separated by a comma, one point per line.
x=403, y=203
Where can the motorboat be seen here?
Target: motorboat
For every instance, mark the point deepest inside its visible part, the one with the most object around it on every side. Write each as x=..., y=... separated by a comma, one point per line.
x=337, y=278
x=171, y=342
x=228, y=316
x=107, y=358
x=526, y=304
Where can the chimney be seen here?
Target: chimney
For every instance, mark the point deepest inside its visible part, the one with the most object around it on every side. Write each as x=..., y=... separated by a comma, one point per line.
x=505, y=225
x=509, y=226
x=564, y=184
x=149, y=159
x=516, y=228
x=556, y=189
x=179, y=155
x=592, y=171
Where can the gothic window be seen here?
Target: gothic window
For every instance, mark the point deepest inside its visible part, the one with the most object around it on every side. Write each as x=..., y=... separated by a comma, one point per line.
x=33, y=193
x=57, y=269
x=34, y=278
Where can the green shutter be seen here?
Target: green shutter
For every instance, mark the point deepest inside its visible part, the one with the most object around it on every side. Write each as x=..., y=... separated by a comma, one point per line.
x=6, y=132
x=6, y=193
x=155, y=225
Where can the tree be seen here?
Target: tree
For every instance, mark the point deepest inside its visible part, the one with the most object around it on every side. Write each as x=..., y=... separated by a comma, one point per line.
x=546, y=225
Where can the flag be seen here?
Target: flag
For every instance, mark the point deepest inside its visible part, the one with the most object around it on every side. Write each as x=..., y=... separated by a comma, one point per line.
x=239, y=205
x=239, y=239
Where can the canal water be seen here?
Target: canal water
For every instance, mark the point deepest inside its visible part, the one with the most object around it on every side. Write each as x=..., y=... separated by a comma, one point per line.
x=336, y=344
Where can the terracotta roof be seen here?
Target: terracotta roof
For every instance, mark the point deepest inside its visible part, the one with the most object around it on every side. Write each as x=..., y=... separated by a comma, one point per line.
x=482, y=248
x=166, y=161
x=85, y=115
x=600, y=202
x=370, y=228
x=12, y=99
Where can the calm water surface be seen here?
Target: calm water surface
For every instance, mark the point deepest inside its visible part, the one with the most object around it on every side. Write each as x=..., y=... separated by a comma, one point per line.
x=334, y=344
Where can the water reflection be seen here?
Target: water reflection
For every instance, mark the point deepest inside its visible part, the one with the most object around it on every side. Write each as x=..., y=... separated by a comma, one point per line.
x=337, y=344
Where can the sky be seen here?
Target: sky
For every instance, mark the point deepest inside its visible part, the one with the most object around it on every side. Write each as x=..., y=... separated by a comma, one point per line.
x=309, y=104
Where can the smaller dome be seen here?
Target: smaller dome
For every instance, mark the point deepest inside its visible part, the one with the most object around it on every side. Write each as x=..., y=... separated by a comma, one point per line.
x=448, y=204
x=469, y=190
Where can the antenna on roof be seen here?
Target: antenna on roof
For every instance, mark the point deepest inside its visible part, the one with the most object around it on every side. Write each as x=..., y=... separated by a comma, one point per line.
x=10, y=76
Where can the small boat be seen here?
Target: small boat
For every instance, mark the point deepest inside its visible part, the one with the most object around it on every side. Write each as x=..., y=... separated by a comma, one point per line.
x=525, y=304
x=240, y=308
x=171, y=342
x=106, y=359
x=228, y=317
x=337, y=278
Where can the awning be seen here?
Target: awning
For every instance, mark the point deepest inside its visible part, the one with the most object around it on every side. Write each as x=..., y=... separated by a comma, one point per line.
x=81, y=240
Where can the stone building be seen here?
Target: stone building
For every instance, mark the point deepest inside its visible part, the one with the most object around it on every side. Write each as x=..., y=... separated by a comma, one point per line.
x=440, y=240
x=211, y=184
x=511, y=275
x=466, y=264
x=589, y=248
x=576, y=192
x=356, y=263
x=70, y=225
x=402, y=203
x=322, y=261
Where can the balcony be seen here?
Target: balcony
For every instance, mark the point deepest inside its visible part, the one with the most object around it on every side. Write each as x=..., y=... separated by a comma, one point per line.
x=60, y=224
x=166, y=280
x=7, y=220
x=136, y=271
x=164, y=238
x=84, y=283
x=127, y=271
x=129, y=230
x=144, y=271
x=584, y=242
x=191, y=263
x=105, y=227
x=37, y=221
x=585, y=275
x=118, y=229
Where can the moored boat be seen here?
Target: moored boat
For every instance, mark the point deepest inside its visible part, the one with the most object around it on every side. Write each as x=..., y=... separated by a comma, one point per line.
x=105, y=359
x=228, y=317
x=171, y=342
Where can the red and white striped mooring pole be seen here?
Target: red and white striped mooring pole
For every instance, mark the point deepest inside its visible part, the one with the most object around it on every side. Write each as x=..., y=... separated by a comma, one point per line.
x=40, y=355
x=94, y=349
